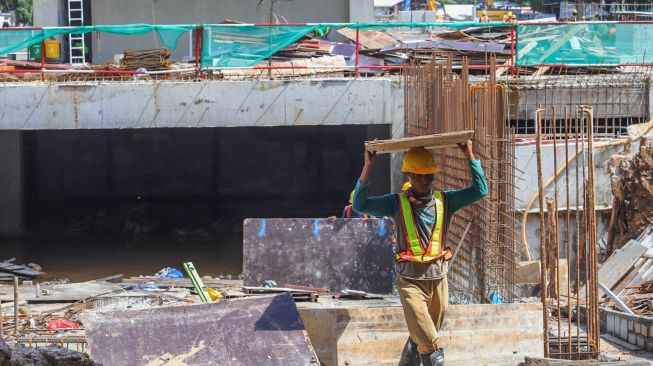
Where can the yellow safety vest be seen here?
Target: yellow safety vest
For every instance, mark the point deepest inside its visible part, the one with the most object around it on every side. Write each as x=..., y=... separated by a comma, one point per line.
x=416, y=251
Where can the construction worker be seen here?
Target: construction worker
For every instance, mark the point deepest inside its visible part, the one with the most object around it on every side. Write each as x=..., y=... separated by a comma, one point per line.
x=574, y=16
x=422, y=215
x=507, y=17
x=349, y=213
x=484, y=17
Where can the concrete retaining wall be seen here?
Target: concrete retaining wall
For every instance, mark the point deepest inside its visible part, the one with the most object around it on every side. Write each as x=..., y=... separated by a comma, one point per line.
x=201, y=104
x=634, y=329
x=363, y=334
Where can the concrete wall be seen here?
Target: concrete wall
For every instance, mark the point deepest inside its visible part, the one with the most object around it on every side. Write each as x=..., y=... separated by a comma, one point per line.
x=208, y=11
x=374, y=333
x=634, y=329
x=254, y=172
x=11, y=181
x=253, y=103
x=49, y=13
x=526, y=181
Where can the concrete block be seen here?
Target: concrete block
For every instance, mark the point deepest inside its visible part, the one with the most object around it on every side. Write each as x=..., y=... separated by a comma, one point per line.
x=643, y=330
x=640, y=341
x=637, y=327
x=375, y=335
x=631, y=326
x=632, y=338
x=623, y=329
x=609, y=328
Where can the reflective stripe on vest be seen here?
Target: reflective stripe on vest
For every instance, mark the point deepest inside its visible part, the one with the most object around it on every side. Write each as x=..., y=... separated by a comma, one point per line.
x=416, y=251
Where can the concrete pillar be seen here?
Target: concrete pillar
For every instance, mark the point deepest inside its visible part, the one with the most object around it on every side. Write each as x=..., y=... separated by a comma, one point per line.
x=11, y=181
x=48, y=13
x=383, y=169
x=361, y=11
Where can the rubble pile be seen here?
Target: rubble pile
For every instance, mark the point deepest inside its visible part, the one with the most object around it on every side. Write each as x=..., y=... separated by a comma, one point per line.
x=632, y=186
x=20, y=355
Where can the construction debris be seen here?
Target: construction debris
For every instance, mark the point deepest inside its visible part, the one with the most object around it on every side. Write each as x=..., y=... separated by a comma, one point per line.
x=21, y=355
x=153, y=60
x=9, y=270
x=632, y=187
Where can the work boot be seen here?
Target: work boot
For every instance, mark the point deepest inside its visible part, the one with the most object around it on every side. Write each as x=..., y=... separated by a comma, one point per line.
x=433, y=359
x=409, y=356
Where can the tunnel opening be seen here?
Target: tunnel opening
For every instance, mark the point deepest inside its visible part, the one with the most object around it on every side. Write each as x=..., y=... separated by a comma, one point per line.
x=105, y=202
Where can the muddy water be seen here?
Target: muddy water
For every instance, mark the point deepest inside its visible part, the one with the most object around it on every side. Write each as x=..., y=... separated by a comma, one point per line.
x=87, y=257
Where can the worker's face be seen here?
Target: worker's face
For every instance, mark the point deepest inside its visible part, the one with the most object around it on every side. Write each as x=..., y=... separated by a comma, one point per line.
x=421, y=183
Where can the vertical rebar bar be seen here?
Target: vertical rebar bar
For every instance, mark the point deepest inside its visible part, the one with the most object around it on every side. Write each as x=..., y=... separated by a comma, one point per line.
x=543, y=253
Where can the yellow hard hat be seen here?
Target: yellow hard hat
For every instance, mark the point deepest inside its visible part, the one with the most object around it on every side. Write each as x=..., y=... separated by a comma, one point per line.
x=574, y=11
x=484, y=12
x=509, y=13
x=406, y=186
x=418, y=160
x=351, y=198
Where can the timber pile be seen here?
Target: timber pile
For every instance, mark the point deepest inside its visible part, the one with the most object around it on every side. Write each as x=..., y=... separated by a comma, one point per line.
x=641, y=299
x=152, y=60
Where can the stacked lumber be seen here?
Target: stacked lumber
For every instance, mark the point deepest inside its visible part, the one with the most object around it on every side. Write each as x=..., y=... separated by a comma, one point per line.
x=152, y=60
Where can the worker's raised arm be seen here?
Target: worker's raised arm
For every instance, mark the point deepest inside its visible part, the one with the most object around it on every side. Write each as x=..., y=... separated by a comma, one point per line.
x=374, y=206
x=457, y=199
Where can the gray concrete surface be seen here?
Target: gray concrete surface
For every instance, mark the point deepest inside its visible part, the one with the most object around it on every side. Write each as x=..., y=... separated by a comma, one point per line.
x=48, y=13
x=11, y=181
x=201, y=104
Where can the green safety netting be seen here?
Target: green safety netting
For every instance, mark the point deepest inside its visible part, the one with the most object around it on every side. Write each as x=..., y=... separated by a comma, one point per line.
x=17, y=39
x=246, y=45
x=228, y=46
x=232, y=45
x=596, y=43
x=13, y=40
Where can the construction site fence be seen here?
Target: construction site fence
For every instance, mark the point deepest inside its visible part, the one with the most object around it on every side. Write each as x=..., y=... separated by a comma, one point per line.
x=245, y=46
x=584, y=44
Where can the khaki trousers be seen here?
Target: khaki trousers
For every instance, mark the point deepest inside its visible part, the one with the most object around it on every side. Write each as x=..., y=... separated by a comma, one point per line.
x=424, y=303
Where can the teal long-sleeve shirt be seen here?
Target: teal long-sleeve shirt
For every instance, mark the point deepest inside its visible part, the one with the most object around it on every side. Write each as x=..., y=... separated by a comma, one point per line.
x=388, y=205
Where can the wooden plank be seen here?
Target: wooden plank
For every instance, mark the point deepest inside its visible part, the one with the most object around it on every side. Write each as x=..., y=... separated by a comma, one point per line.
x=619, y=342
x=185, y=282
x=435, y=141
x=265, y=330
x=69, y=292
x=370, y=39
x=620, y=262
x=615, y=299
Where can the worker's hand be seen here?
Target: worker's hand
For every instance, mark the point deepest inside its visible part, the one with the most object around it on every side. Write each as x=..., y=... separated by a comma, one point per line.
x=467, y=149
x=370, y=158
